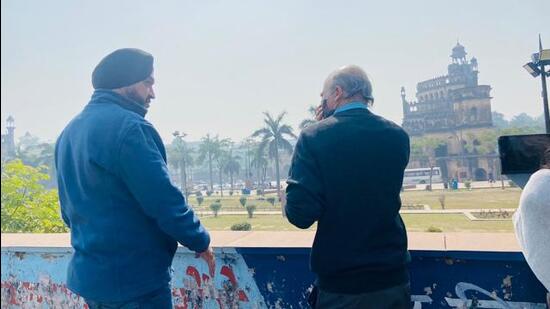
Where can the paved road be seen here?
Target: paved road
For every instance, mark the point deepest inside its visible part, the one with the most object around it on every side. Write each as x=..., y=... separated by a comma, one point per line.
x=475, y=185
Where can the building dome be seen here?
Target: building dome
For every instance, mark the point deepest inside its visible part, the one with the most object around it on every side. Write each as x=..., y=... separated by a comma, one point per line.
x=458, y=51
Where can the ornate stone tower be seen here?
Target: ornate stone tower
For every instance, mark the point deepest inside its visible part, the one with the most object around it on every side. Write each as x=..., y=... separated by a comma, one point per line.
x=452, y=108
x=449, y=102
x=8, y=139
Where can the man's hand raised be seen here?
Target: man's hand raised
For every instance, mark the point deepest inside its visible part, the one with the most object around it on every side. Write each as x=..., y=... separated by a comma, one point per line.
x=208, y=256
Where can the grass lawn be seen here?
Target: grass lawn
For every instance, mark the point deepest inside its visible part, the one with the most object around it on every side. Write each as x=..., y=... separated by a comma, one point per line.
x=414, y=222
x=259, y=223
x=464, y=199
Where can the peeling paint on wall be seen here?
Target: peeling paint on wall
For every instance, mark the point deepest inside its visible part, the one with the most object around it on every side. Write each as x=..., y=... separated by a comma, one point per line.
x=280, y=278
x=35, y=280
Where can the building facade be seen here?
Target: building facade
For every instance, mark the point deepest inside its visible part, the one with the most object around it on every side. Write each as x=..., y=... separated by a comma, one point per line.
x=452, y=109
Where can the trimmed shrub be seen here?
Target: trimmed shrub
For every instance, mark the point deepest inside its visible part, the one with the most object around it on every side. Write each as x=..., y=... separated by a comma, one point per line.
x=200, y=199
x=250, y=209
x=442, y=200
x=271, y=200
x=242, y=200
x=209, y=193
x=215, y=207
x=260, y=192
x=434, y=229
x=468, y=184
x=245, y=226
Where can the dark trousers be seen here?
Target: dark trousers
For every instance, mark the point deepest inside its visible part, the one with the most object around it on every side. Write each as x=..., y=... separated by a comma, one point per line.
x=159, y=299
x=397, y=297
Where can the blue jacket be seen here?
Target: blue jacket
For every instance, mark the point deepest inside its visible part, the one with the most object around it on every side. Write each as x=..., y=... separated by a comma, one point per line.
x=125, y=215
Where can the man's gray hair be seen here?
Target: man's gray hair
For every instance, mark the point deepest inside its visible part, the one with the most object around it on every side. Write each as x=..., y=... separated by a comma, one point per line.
x=353, y=81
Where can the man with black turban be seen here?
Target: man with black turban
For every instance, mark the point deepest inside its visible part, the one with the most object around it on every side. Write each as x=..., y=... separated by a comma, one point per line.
x=125, y=216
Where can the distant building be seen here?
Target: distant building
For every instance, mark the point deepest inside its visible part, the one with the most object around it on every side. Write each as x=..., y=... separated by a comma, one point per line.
x=8, y=140
x=453, y=108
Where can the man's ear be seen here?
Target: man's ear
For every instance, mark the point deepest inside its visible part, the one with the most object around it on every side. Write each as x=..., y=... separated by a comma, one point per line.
x=338, y=93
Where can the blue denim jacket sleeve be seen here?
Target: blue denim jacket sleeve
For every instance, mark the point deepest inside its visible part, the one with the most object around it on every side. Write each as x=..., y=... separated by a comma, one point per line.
x=142, y=166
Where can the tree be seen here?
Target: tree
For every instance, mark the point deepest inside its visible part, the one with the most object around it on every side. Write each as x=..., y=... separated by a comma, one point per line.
x=498, y=120
x=42, y=154
x=250, y=209
x=248, y=147
x=182, y=158
x=27, y=206
x=522, y=120
x=215, y=207
x=273, y=138
x=31, y=151
x=306, y=122
x=200, y=199
x=231, y=166
x=423, y=148
x=220, y=161
x=260, y=163
x=210, y=149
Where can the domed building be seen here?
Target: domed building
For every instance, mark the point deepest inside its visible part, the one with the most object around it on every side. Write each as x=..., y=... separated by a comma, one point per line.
x=452, y=108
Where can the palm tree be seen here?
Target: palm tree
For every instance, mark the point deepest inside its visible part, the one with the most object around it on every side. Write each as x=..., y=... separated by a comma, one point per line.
x=248, y=147
x=260, y=163
x=173, y=158
x=232, y=166
x=221, y=159
x=273, y=139
x=184, y=160
x=306, y=122
x=211, y=149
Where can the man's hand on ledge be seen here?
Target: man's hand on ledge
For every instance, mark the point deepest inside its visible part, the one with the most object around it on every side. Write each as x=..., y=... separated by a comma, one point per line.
x=208, y=256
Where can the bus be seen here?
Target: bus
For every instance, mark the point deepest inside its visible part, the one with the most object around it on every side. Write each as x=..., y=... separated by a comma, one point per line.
x=422, y=176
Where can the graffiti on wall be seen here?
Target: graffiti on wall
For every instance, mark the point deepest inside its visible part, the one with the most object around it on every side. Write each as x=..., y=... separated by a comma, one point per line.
x=462, y=301
x=268, y=279
x=31, y=281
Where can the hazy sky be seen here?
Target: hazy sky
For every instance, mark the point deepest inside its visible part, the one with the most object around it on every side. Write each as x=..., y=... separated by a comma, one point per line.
x=220, y=64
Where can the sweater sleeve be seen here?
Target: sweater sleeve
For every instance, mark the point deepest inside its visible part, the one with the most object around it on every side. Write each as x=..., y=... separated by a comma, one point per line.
x=144, y=171
x=304, y=193
x=532, y=225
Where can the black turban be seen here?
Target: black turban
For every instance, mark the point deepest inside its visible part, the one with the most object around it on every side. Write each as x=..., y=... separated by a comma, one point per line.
x=122, y=68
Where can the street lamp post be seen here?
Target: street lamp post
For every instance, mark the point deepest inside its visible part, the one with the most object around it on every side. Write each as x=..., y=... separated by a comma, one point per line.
x=537, y=67
x=180, y=146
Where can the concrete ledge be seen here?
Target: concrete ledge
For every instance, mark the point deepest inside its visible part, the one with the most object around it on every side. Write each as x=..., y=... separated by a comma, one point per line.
x=500, y=242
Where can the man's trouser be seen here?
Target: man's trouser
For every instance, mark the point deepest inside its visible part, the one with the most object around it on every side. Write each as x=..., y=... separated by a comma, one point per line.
x=396, y=297
x=159, y=299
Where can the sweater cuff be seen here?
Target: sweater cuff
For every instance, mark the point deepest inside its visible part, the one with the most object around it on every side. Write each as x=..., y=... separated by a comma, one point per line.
x=204, y=243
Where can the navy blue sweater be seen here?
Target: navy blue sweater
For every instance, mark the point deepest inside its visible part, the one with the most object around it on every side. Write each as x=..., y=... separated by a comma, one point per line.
x=346, y=174
x=125, y=215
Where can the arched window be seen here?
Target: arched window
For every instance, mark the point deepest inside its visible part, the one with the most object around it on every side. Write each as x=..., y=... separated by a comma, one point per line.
x=473, y=114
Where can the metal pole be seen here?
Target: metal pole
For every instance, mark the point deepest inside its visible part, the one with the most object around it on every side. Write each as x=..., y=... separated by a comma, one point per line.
x=545, y=98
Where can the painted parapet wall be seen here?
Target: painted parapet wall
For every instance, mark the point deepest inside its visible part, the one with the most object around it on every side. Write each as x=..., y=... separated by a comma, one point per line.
x=33, y=277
